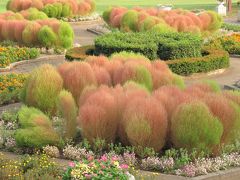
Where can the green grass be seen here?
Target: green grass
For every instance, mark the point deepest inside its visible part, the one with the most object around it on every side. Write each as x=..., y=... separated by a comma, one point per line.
x=186, y=4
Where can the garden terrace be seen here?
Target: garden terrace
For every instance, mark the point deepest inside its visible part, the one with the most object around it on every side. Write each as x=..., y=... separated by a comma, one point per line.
x=166, y=46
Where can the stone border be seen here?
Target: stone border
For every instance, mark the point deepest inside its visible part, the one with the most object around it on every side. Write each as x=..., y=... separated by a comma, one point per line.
x=205, y=74
x=229, y=174
x=87, y=22
x=41, y=58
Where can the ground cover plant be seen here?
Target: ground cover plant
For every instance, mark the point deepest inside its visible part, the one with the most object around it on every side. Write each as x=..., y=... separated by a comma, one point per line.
x=55, y=8
x=10, y=55
x=140, y=19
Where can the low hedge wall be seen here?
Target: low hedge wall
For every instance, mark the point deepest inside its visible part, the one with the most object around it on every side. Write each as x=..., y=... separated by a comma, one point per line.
x=212, y=60
x=79, y=53
x=166, y=46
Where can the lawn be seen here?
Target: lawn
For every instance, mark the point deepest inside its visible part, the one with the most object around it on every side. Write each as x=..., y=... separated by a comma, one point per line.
x=188, y=4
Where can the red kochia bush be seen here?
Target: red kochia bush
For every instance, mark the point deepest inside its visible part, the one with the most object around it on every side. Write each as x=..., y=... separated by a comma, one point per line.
x=145, y=123
x=98, y=116
x=77, y=77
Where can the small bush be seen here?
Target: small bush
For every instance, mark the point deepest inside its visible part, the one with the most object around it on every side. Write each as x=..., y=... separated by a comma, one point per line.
x=66, y=35
x=67, y=109
x=47, y=37
x=193, y=126
x=36, y=137
x=42, y=88
x=98, y=116
x=145, y=123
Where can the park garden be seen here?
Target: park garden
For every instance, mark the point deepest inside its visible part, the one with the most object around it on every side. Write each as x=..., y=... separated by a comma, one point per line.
x=148, y=98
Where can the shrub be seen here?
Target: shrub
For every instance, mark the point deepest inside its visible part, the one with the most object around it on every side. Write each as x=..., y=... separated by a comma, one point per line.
x=193, y=126
x=51, y=151
x=166, y=46
x=66, y=35
x=77, y=77
x=223, y=109
x=98, y=116
x=145, y=123
x=67, y=109
x=47, y=37
x=129, y=21
x=32, y=117
x=215, y=59
x=42, y=88
x=29, y=34
x=36, y=137
x=231, y=27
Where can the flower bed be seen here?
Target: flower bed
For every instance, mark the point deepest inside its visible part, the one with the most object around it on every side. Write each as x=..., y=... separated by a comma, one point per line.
x=55, y=8
x=10, y=55
x=140, y=19
x=10, y=87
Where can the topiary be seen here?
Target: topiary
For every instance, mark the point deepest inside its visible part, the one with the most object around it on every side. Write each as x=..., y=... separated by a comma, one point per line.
x=194, y=127
x=42, y=88
x=47, y=37
x=67, y=109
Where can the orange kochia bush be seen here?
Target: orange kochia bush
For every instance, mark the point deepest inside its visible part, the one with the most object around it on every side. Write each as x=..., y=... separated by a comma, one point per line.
x=151, y=18
x=81, y=7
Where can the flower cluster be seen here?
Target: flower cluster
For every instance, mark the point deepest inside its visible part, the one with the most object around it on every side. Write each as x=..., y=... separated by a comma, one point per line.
x=101, y=168
x=11, y=82
x=75, y=153
x=13, y=54
x=51, y=151
x=157, y=164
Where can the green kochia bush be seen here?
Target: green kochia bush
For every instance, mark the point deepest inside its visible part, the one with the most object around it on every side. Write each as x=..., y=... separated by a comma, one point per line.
x=166, y=46
x=35, y=129
x=67, y=109
x=42, y=88
x=47, y=37
x=193, y=126
x=66, y=35
x=57, y=10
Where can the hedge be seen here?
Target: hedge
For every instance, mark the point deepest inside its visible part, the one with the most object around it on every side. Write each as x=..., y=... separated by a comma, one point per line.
x=212, y=60
x=166, y=46
x=231, y=27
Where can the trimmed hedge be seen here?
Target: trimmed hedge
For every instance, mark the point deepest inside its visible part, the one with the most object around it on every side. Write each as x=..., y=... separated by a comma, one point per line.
x=231, y=27
x=166, y=46
x=79, y=53
x=213, y=59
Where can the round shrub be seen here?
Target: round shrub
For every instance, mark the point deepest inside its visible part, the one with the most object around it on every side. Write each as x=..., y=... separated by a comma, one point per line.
x=42, y=88
x=66, y=35
x=36, y=137
x=77, y=77
x=30, y=32
x=47, y=37
x=98, y=116
x=194, y=127
x=129, y=21
x=145, y=123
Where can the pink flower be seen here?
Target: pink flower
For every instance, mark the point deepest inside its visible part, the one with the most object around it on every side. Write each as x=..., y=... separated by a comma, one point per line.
x=103, y=167
x=87, y=176
x=71, y=164
x=124, y=166
x=104, y=158
x=90, y=158
x=114, y=158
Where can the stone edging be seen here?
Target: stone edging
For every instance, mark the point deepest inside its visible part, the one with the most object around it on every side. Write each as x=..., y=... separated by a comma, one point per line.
x=87, y=22
x=207, y=74
x=230, y=174
x=41, y=58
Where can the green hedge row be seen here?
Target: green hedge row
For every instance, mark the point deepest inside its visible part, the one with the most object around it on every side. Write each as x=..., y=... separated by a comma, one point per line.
x=231, y=27
x=166, y=46
x=212, y=60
